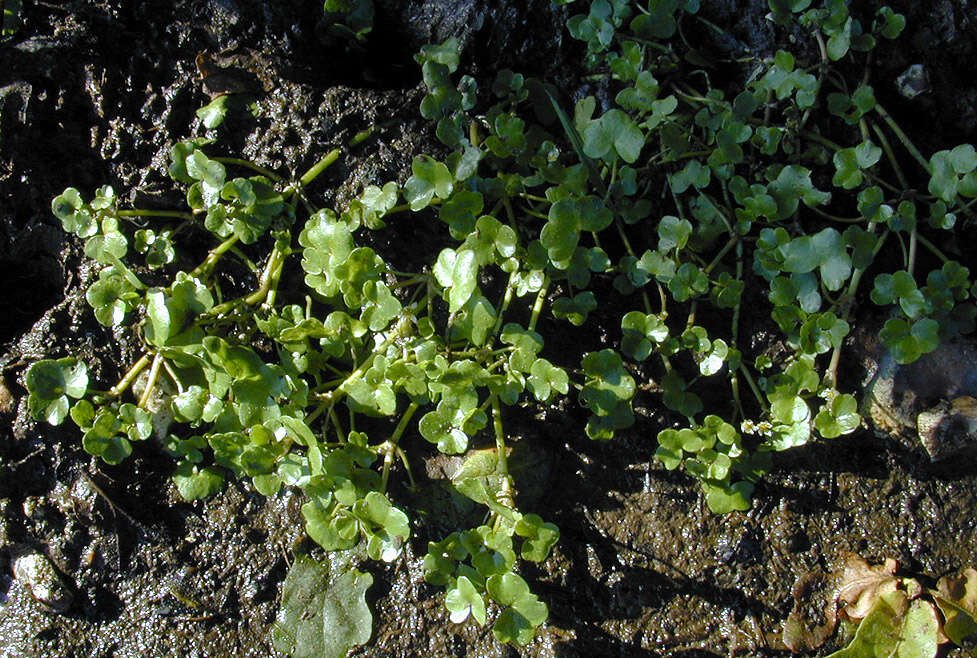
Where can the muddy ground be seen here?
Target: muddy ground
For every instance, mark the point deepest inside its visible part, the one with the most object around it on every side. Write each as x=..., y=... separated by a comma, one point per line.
x=95, y=92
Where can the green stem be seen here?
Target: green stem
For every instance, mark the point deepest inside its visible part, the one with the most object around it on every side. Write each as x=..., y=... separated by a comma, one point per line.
x=845, y=304
x=336, y=424
x=252, y=166
x=505, y=494
x=913, y=242
x=503, y=306
x=154, y=213
x=402, y=425
x=932, y=248
x=203, y=270
x=362, y=136
x=753, y=387
x=244, y=259
x=733, y=241
x=904, y=138
x=538, y=304
x=890, y=155
x=319, y=167
x=129, y=377
x=268, y=281
x=126, y=272
x=390, y=447
x=151, y=382
x=173, y=377
x=735, y=333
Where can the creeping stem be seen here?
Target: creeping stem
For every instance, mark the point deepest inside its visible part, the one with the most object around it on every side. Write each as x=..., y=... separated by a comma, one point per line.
x=129, y=377
x=267, y=173
x=203, y=270
x=319, y=167
x=154, y=213
x=538, y=305
x=505, y=496
x=390, y=446
x=151, y=382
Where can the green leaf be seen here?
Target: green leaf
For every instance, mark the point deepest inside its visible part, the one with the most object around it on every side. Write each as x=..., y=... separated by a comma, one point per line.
x=458, y=272
x=640, y=333
x=888, y=23
x=723, y=498
x=196, y=483
x=673, y=233
x=791, y=186
x=212, y=114
x=111, y=297
x=463, y=600
x=575, y=309
x=539, y=535
x=850, y=162
x=896, y=626
x=689, y=282
x=69, y=207
x=109, y=246
x=103, y=440
x=523, y=613
x=607, y=385
x=909, y=342
x=158, y=247
x=546, y=380
x=323, y=611
x=694, y=173
x=612, y=134
x=678, y=398
x=430, y=178
x=201, y=168
x=445, y=426
x=379, y=307
x=446, y=54
x=838, y=416
x=49, y=385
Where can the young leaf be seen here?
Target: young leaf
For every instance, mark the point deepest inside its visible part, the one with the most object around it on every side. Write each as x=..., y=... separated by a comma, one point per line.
x=50, y=383
x=458, y=272
x=463, y=600
x=431, y=178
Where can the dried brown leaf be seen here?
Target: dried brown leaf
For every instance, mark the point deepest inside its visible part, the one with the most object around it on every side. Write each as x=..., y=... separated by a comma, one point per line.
x=957, y=599
x=813, y=603
x=861, y=584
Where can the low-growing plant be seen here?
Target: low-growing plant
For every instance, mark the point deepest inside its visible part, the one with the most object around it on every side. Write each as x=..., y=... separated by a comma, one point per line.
x=676, y=207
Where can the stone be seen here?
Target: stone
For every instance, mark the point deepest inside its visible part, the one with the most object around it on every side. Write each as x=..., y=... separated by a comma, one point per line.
x=34, y=570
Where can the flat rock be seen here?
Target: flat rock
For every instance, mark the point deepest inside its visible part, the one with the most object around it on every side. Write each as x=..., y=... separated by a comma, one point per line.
x=933, y=397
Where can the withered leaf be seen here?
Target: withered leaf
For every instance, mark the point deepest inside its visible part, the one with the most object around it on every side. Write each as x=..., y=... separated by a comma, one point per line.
x=957, y=599
x=861, y=584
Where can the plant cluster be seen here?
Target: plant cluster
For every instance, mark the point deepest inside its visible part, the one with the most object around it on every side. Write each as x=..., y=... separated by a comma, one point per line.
x=676, y=201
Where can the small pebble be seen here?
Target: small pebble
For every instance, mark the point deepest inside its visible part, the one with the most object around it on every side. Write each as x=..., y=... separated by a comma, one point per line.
x=36, y=572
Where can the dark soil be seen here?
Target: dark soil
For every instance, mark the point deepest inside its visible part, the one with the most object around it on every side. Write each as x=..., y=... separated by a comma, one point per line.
x=94, y=92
